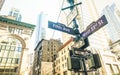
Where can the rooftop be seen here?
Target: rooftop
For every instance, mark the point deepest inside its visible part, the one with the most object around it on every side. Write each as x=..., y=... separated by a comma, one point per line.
x=10, y=21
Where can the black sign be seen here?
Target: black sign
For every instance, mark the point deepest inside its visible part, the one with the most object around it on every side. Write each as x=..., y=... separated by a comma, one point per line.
x=60, y=27
x=94, y=26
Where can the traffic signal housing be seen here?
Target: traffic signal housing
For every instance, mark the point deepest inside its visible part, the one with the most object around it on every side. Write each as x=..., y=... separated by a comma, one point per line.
x=94, y=61
x=74, y=63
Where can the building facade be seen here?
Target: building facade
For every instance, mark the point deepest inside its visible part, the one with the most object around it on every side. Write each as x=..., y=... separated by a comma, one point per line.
x=112, y=13
x=40, y=31
x=87, y=13
x=113, y=16
x=45, y=51
x=15, y=13
x=110, y=63
x=14, y=44
x=1, y=3
x=115, y=48
x=61, y=65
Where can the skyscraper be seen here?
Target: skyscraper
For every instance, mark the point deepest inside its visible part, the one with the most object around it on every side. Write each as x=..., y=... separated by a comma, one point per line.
x=40, y=31
x=113, y=16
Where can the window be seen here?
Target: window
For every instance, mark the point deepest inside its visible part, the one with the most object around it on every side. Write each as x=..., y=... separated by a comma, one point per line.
x=0, y=48
x=6, y=53
x=0, y=60
x=13, y=61
x=7, y=47
x=63, y=65
x=61, y=52
x=18, y=31
x=12, y=48
x=47, y=60
x=62, y=58
x=4, y=60
x=9, y=60
x=16, y=60
x=3, y=47
x=11, y=29
x=116, y=69
x=11, y=54
x=15, y=14
x=15, y=70
x=19, y=49
x=2, y=53
x=109, y=69
x=65, y=57
x=65, y=73
x=48, y=49
x=64, y=51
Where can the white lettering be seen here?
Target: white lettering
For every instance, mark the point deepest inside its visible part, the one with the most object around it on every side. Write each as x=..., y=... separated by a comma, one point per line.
x=57, y=26
x=65, y=29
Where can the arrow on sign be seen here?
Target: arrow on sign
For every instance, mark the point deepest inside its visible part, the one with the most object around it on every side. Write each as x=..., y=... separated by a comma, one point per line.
x=60, y=27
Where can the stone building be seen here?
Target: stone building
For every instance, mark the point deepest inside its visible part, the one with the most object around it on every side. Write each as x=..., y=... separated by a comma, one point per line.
x=14, y=45
x=45, y=51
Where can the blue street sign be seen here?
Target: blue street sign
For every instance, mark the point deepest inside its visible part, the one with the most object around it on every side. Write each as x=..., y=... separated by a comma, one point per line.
x=93, y=27
x=60, y=27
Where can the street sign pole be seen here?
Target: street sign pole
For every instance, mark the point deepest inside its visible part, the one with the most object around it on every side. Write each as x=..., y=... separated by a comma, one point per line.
x=85, y=70
x=93, y=27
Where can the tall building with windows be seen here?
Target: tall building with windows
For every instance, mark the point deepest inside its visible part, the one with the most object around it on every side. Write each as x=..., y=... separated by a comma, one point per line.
x=1, y=3
x=45, y=51
x=15, y=13
x=113, y=16
x=40, y=31
x=14, y=46
x=112, y=13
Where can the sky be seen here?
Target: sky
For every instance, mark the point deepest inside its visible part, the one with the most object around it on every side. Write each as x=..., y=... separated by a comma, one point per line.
x=31, y=8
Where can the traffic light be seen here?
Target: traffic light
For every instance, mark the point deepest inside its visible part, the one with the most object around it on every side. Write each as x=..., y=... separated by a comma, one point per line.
x=74, y=63
x=94, y=61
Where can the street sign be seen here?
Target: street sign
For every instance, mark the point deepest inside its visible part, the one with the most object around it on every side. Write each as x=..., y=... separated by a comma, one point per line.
x=93, y=27
x=60, y=27
x=72, y=15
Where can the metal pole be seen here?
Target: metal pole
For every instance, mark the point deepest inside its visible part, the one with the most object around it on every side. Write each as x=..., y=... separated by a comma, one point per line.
x=85, y=70
x=78, y=73
x=71, y=6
